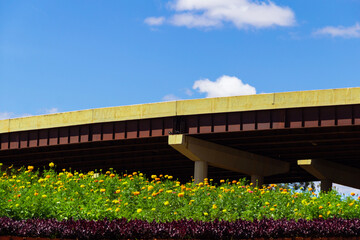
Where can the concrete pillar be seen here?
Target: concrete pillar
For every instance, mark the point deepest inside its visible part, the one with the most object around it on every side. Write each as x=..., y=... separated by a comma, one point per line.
x=220, y=156
x=338, y=173
x=326, y=185
x=257, y=180
x=200, y=171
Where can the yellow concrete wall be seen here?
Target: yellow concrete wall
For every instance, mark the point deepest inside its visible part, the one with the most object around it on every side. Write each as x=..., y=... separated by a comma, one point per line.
x=187, y=107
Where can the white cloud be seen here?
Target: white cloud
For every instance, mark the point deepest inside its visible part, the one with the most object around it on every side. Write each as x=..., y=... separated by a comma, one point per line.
x=154, y=21
x=51, y=111
x=340, y=31
x=215, y=13
x=6, y=115
x=188, y=92
x=192, y=20
x=9, y=115
x=223, y=86
x=170, y=97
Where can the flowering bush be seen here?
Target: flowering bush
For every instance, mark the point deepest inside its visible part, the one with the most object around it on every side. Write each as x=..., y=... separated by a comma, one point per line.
x=27, y=193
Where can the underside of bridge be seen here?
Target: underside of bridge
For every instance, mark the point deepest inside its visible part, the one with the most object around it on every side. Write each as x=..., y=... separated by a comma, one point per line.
x=153, y=155
x=325, y=138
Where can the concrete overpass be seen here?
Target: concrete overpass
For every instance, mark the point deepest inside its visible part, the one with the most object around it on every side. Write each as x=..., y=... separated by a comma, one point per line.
x=262, y=137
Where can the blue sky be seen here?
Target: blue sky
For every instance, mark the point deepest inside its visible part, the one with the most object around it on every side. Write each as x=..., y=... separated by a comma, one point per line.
x=73, y=55
x=58, y=56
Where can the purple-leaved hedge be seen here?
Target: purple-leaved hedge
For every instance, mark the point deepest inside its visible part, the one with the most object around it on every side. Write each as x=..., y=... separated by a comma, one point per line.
x=182, y=229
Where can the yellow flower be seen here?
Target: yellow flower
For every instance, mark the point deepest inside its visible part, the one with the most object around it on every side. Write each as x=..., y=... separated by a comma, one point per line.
x=35, y=194
x=352, y=194
x=310, y=189
x=117, y=209
x=102, y=190
x=117, y=191
x=69, y=175
x=272, y=209
x=321, y=207
x=267, y=203
x=82, y=186
x=136, y=193
x=181, y=194
x=153, y=176
x=139, y=210
x=112, y=175
x=166, y=203
x=170, y=177
x=205, y=213
x=320, y=216
x=350, y=204
x=222, y=181
x=153, y=209
x=224, y=210
x=214, y=206
x=150, y=188
x=30, y=168
x=51, y=164
x=44, y=196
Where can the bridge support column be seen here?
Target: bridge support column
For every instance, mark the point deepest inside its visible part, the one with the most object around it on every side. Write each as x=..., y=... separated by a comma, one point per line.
x=205, y=153
x=326, y=185
x=331, y=172
x=257, y=180
x=200, y=171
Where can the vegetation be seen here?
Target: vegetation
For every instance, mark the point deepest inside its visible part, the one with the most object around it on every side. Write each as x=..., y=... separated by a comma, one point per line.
x=27, y=193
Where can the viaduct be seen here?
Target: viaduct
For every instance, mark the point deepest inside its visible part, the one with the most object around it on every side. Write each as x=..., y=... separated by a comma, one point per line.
x=268, y=138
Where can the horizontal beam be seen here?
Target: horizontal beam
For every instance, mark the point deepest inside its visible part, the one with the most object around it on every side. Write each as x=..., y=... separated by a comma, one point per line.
x=227, y=158
x=337, y=173
x=329, y=97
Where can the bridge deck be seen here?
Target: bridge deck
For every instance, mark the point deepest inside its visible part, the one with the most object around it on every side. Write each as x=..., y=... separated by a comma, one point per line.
x=286, y=126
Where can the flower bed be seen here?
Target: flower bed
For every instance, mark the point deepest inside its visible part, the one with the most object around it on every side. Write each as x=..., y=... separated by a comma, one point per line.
x=28, y=194
x=101, y=205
